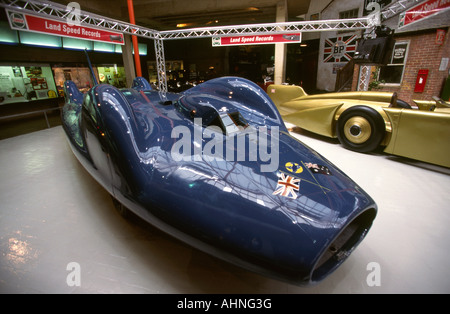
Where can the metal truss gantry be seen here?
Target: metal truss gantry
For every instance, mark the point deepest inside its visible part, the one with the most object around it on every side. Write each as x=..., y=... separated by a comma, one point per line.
x=48, y=9
x=270, y=28
x=397, y=7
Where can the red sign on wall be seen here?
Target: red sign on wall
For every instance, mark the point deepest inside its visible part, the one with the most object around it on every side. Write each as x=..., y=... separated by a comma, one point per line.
x=26, y=22
x=440, y=36
x=423, y=10
x=256, y=39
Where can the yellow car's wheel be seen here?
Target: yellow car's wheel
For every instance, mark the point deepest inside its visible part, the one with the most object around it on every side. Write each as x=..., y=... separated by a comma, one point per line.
x=360, y=128
x=357, y=130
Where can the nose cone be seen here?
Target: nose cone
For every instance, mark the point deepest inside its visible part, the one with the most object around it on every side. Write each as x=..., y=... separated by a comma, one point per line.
x=324, y=214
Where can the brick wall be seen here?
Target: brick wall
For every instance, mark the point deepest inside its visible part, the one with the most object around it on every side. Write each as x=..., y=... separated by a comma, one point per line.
x=423, y=53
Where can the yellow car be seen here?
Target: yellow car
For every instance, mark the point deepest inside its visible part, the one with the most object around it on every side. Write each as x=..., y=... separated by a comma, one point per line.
x=363, y=121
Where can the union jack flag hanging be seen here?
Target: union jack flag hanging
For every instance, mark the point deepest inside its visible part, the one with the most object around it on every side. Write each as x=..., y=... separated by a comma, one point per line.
x=287, y=186
x=339, y=49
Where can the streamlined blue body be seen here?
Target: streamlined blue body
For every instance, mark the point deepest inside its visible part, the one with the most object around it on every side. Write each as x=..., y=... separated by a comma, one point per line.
x=216, y=167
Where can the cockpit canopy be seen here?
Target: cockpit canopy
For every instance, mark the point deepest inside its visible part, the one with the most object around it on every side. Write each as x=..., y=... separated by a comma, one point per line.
x=242, y=95
x=212, y=111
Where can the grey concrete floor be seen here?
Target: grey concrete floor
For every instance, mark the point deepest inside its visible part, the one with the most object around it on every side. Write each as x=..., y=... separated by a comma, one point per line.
x=59, y=231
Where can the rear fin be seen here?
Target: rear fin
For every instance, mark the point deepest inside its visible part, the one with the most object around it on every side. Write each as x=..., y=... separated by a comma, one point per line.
x=90, y=67
x=283, y=93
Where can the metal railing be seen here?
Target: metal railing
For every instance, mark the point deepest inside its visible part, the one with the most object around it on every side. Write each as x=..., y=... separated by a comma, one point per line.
x=44, y=111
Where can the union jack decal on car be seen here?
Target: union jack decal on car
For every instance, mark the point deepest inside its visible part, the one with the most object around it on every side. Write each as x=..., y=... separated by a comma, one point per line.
x=339, y=49
x=287, y=186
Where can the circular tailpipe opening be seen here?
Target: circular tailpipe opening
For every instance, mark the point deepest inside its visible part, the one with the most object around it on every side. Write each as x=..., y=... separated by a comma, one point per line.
x=343, y=245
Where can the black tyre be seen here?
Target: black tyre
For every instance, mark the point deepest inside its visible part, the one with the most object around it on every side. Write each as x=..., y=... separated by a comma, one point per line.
x=360, y=129
x=403, y=104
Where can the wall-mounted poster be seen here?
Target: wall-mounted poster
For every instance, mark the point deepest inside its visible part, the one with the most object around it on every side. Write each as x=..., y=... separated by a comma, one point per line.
x=339, y=49
x=33, y=71
x=399, y=54
x=39, y=83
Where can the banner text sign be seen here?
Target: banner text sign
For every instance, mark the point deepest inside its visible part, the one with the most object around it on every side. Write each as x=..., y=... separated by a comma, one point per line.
x=26, y=22
x=256, y=39
x=423, y=10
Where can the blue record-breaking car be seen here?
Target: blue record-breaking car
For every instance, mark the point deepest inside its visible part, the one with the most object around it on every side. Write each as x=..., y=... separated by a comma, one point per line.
x=215, y=167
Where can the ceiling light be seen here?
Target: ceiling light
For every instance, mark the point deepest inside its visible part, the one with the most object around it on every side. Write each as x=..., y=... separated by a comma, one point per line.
x=183, y=25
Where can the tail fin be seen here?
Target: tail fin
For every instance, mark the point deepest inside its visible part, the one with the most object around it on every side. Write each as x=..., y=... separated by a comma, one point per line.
x=283, y=93
x=90, y=67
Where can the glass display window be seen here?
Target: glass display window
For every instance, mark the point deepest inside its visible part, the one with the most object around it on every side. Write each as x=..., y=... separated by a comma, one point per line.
x=81, y=76
x=113, y=75
x=174, y=69
x=23, y=83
